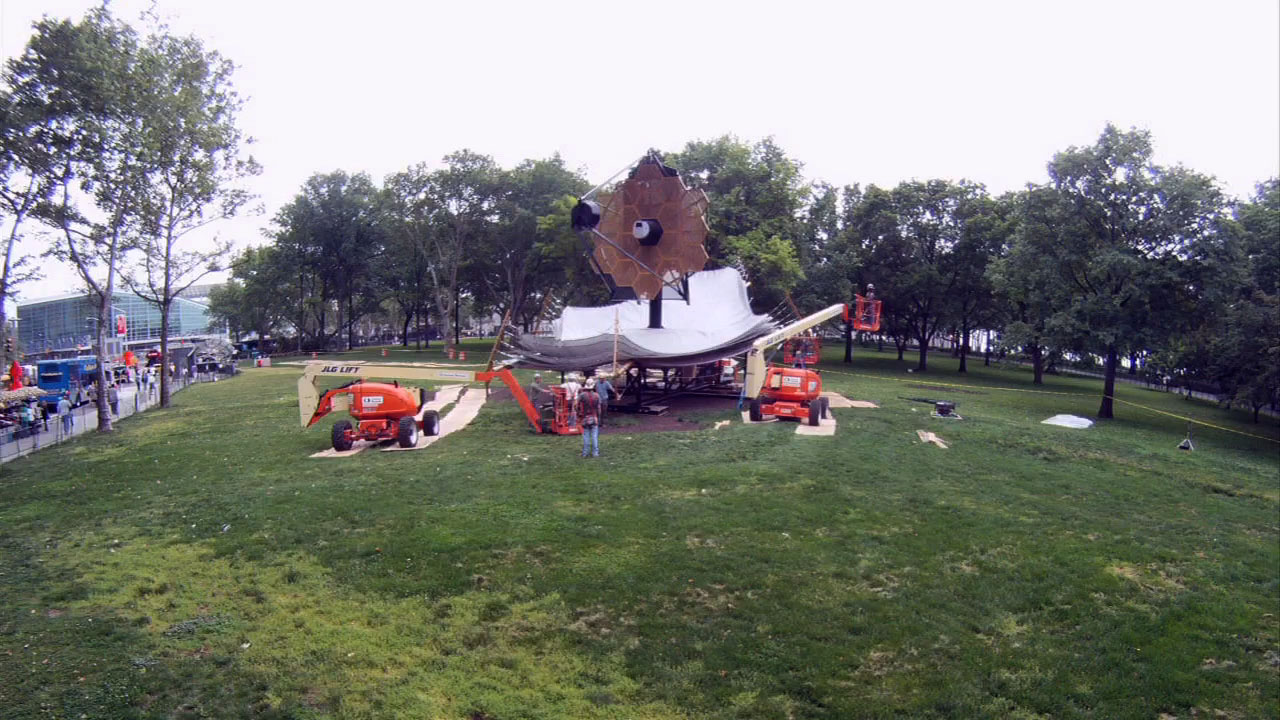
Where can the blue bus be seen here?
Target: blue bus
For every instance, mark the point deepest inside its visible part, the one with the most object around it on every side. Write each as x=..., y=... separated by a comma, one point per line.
x=68, y=377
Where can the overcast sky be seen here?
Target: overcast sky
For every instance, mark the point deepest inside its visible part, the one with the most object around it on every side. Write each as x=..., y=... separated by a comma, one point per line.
x=859, y=92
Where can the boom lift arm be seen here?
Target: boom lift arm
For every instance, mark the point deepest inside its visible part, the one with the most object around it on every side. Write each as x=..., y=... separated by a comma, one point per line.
x=755, y=356
x=309, y=396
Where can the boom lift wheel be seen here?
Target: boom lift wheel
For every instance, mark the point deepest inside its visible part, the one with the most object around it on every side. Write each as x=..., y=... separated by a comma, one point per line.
x=407, y=433
x=431, y=422
x=826, y=407
x=342, y=436
x=815, y=412
x=755, y=413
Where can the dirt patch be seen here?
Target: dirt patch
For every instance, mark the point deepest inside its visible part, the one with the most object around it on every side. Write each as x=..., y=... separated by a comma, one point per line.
x=684, y=413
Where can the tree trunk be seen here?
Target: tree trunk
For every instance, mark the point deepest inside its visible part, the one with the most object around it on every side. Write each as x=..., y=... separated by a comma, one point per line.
x=1037, y=363
x=848, y=342
x=404, y=333
x=902, y=348
x=1109, y=383
x=964, y=348
x=351, y=321
x=164, y=353
x=100, y=342
x=923, y=337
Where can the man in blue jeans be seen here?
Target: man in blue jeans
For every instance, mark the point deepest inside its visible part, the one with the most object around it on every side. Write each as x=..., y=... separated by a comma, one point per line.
x=588, y=407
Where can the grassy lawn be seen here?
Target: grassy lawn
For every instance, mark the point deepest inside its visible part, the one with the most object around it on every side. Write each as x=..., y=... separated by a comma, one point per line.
x=198, y=563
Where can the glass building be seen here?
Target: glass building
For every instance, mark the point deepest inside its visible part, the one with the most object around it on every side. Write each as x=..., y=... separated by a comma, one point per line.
x=65, y=325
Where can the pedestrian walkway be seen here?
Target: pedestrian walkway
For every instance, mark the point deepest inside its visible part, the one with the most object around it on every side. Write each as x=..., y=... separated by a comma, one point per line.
x=15, y=443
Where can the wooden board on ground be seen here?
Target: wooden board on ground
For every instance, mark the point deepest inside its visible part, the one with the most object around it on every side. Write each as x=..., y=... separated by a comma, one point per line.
x=826, y=427
x=746, y=418
x=836, y=400
x=356, y=447
x=928, y=437
x=466, y=410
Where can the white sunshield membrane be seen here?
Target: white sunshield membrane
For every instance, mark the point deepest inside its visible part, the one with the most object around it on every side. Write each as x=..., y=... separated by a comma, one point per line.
x=718, y=311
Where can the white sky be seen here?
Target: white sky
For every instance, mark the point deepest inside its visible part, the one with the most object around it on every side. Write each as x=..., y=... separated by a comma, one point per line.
x=867, y=92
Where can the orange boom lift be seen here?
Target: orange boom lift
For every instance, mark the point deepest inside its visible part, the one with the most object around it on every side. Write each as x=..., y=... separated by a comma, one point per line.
x=388, y=411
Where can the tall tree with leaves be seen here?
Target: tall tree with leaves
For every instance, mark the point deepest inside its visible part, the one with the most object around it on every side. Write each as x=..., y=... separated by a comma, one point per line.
x=462, y=196
x=932, y=219
x=757, y=199
x=330, y=234
x=192, y=151
x=1127, y=228
x=514, y=269
x=71, y=95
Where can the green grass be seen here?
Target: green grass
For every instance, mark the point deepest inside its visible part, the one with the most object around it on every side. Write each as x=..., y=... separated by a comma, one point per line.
x=747, y=572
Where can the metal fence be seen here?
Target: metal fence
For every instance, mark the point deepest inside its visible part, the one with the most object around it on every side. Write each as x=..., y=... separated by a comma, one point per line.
x=16, y=442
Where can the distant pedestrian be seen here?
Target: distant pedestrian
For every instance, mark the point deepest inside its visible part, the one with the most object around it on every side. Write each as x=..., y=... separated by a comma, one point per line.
x=64, y=412
x=42, y=413
x=588, y=407
x=605, y=390
x=113, y=398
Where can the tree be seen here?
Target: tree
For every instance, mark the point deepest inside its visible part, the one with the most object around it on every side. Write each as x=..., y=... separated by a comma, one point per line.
x=462, y=197
x=1245, y=337
x=403, y=271
x=191, y=149
x=1127, y=227
x=757, y=195
x=1028, y=289
x=515, y=269
x=932, y=218
x=987, y=226
x=72, y=96
x=330, y=234
x=257, y=298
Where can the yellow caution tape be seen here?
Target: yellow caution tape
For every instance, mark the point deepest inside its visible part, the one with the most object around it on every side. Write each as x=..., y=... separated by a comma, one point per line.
x=1054, y=392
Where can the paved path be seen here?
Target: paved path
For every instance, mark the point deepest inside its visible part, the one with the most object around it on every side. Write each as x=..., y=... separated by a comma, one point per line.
x=86, y=419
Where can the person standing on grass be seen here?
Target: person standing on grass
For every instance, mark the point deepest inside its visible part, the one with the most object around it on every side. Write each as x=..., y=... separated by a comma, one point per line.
x=588, y=406
x=64, y=412
x=605, y=390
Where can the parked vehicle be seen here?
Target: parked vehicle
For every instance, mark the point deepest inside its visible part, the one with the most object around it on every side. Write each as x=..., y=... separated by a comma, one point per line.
x=71, y=378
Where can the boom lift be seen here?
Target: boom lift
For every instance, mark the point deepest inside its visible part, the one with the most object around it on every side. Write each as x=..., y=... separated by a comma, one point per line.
x=388, y=411
x=786, y=391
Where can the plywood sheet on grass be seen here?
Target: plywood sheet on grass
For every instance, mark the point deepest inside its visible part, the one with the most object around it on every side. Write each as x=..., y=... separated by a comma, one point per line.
x=826, y=427
x=459, y=417
x=836, y=400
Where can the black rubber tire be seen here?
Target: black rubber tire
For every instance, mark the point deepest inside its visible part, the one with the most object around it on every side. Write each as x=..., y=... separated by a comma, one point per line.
x=431, y=423
x=545, y=425
x=755, y=413
x=815, y=412
x=826, y=407
x=342, y=435
x=407, y=432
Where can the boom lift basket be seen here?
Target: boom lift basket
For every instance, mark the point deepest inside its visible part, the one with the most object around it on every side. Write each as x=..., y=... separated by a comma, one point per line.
x=866, y=316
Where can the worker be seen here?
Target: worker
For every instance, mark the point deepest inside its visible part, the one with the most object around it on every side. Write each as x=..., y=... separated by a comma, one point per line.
x=587, y=407
x=605, y=390
x=869, y=306
x=539, y=394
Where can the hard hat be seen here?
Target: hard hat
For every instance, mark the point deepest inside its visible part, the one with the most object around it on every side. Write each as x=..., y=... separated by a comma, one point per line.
x=870, y=286
x=591, y=383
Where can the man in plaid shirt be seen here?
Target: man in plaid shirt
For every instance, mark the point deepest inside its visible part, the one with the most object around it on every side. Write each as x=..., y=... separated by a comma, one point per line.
x=588, y=407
